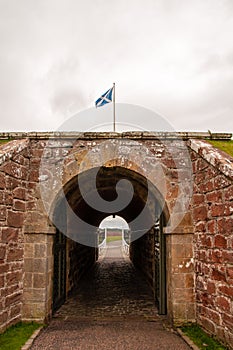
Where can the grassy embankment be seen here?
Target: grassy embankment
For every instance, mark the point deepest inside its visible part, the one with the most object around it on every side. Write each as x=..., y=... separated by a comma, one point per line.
x=113, y=238
x=226, y=146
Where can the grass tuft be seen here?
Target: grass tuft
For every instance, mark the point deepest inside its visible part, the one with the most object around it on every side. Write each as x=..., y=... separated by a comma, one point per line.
x=200, y=338
x=3, y=141
x=226, y=146
x=16, y=336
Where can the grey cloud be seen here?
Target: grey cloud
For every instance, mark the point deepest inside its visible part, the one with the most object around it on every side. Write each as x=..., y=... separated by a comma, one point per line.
x=57, y=56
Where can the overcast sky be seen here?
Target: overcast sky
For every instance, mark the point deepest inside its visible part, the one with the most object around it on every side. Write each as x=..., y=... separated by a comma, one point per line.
x=174, y=57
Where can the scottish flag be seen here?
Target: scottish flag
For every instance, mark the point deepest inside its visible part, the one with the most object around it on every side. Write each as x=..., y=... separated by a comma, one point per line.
x=105, y=98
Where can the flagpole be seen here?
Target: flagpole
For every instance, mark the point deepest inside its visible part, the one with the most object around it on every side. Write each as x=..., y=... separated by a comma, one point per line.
x=114, y=108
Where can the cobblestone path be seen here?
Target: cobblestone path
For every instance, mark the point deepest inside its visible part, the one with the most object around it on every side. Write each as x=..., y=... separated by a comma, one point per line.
x=113, y=309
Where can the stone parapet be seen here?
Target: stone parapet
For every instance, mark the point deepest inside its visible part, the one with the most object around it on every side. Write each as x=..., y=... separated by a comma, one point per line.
x=138, y=135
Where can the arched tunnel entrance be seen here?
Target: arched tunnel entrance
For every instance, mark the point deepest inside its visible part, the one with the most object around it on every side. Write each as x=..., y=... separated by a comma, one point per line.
x=77, y=221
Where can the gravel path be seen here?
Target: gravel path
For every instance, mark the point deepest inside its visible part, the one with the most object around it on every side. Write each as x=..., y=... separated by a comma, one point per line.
x=113, y=309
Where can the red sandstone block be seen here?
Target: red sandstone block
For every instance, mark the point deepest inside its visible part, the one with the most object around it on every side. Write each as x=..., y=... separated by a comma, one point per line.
x=12, y=183
x=194, y=167
x=2, y=197
x=216, y=256
x=200, y=227
x=201, y=164
x=10, y=234
x=10, y=290
x=32, y=185
x=225, y=225
x=8, y=198
x=18, y=158
x=206, y=241
x=13, y=278
x=13, y=299
x=19, y=205
x=172, y=174
x=213, y=315
x=215, y=196
x=15, y=170
x=227, y=290
x=2, y=281
x=15, y=254
x=36, y=153
x=34, y=175
x=201, y=255
x=200, y=213
x=193, y=156
x=211, y=172
x=198, y=199
x=2, y=213
x=221, y=182
x=15, y=311
x=204, y=269
x=230, y=272
x=2, y=180
x=221, y=209
x=208, y=186
x=3, y=317
x=2, y=252
x=35, y=163
x=15, y=219
x=223, y=303
x=169, y=162
x=19, y=193
x=211, y=287
x=230, y=243
x=4, y=267
x=227, y=320
x=218, y=275
x=207, y=324
x=200, y=177
x=228, y=193
x=220, y=241
x=227, y=256
x=206, y=299
x=211, y=226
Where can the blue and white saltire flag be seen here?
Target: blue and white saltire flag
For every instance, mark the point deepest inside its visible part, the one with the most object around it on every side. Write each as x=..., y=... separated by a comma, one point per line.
x=105, y=98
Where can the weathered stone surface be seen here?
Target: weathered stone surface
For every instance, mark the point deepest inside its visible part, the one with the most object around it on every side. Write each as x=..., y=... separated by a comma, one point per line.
x=202, y=267
x=13, y=174
x=212, y=238
x=15, y=218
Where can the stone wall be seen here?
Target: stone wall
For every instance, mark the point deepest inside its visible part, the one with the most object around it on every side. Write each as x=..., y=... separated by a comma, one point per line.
x=213, y=226
x=81, y=259
x=26, y=233
x=143, y=258
x=13, y=179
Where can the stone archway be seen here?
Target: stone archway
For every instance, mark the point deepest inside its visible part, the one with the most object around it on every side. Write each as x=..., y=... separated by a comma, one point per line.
x=81, y=248
x=64, y=162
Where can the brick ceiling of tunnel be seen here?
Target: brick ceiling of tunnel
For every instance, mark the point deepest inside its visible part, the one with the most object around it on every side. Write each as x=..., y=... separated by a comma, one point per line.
x=106, y=181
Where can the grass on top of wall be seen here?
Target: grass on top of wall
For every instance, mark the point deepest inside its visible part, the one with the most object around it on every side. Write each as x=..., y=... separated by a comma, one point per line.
x=16, y=336
x=226, y=146
x=3, y=141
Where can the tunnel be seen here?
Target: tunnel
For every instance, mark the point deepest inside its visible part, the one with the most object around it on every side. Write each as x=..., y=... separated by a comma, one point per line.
x=77, y=221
